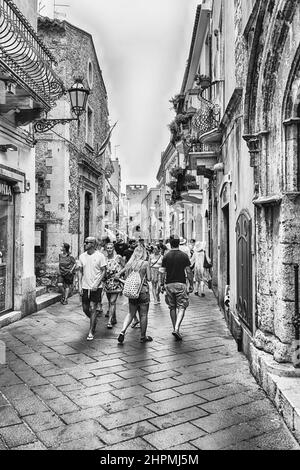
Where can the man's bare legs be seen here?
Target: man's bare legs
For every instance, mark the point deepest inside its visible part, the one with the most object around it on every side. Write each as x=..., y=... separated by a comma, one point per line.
x=93, y=320
x=177, y=315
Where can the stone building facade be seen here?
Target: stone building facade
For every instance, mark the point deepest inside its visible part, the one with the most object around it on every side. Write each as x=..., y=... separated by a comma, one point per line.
x=245, y=60
x=71, y=179
x=29, y=87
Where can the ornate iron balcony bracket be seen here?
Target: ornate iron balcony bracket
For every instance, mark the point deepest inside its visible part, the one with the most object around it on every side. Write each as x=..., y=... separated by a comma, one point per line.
x=45, y=125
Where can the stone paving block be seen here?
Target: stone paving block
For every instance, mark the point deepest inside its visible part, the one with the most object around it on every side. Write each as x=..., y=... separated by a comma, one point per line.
x=218, y=421
x=120, y=405
x=18, y=392
x=94, y=400
x=227, y=437
x=123, y=418
x=162, y=375
x=8, y=416
x=128, y=432
x=255, y=409
x=126, y=383
x=47, y=392
x=162, y=395
x=276, y=440
x=83, y=415
x=29, y=406
x=178, y=417
x=227, y=403
x=7, y=377
x=34, y=446
x=43, y=421
x=221, y=392
x=31, y=378
x=131, y=373
x=79, y=373
x=195, y=387
x=71, y=387
x=158, y=385
x=85, y=443
x=184, y=446
x=99, y=380
x=17, y=435
x=175, y=404
x=88, y=391
x=129, y=392
x=49, y=372
x=54, y=437
x=62, y=405
x=63, y=380
x=133, y=444
x=164, y=439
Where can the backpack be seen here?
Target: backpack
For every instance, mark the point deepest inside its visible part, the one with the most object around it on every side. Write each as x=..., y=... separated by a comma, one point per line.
x=133, y=285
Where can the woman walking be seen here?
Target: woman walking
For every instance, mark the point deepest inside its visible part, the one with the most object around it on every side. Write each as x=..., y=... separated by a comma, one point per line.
x=155, y=264
x=67, y=266
x=113, y=285
x=138, y=263
x=201, y=274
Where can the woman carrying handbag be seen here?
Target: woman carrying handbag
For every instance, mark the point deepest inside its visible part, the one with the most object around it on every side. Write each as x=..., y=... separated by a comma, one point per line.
x=138, y=301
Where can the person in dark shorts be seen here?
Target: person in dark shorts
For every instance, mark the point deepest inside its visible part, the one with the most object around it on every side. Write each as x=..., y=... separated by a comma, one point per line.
x=92, y=269
x=176, y=266
x=67, y=265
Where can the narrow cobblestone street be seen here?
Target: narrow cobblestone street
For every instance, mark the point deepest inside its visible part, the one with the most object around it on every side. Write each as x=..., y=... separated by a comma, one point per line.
x=59, y=391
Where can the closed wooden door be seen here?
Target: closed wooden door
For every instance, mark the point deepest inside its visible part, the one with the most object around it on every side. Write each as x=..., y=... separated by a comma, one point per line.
x=244, y=269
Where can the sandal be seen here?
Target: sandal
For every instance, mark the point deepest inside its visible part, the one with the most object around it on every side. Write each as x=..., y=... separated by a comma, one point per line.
x=90, y=337
x=109, y=326
x=146, y=339
x=121, y=338
x=134, y=324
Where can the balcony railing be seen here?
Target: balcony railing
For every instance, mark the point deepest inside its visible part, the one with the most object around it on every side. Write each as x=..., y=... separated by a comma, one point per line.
x=207, y=117
x=24, y=58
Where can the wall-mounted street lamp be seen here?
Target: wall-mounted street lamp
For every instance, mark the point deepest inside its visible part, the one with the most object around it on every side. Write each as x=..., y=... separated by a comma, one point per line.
x=78, y=97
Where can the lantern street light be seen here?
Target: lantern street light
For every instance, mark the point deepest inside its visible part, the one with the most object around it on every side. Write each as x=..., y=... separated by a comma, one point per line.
x=78, y=97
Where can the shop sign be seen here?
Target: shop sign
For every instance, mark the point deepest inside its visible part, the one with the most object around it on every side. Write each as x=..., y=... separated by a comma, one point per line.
x=5, y=190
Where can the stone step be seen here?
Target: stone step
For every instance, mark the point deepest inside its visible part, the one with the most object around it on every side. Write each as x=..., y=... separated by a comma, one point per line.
x=47, y=299
x=9, y=318
x=40, y=290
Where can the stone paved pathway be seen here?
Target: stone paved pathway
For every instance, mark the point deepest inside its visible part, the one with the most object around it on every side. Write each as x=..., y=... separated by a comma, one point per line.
x=58, y=391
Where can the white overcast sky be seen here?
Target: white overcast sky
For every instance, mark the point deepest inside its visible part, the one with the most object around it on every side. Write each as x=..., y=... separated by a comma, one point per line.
x=142, y=47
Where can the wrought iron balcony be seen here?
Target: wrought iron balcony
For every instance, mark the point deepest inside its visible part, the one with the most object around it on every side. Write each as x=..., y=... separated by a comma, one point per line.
x=207, y=117
x=25, y=60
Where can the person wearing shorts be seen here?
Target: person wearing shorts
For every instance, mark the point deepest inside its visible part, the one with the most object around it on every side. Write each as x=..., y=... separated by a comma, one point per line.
x=92, y=269
x=176, y=267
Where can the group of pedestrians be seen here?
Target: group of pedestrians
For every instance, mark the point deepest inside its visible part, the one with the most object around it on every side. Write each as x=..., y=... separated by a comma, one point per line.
x=172, y=268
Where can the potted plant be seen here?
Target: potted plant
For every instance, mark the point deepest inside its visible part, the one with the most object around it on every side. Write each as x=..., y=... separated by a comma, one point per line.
x=203, y=80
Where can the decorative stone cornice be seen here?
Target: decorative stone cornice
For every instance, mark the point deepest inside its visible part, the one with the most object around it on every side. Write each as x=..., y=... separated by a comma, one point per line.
x=272, y=200
x=254, y=145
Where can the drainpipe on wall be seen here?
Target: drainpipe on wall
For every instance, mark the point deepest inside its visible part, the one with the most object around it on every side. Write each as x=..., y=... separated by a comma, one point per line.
x=296, y=321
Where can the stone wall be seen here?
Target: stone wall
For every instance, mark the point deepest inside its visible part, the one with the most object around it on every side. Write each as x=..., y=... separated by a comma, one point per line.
x=65, y=162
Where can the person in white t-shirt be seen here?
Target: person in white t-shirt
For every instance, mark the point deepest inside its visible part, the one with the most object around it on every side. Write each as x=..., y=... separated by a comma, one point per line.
x=92, y=269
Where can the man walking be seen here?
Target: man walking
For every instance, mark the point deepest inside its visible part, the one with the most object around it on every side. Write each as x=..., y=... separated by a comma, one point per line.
x=176, y=266
x=92, y=269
